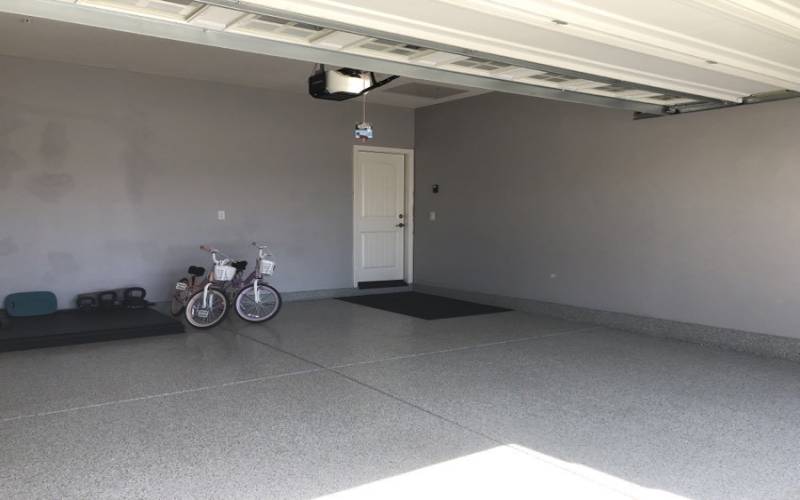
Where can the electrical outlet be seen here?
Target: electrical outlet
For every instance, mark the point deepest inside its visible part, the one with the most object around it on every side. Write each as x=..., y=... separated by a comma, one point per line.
x=221, y=214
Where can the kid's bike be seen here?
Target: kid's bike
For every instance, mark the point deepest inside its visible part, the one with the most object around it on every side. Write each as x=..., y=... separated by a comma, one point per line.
x=257, y=301
x=208, y=306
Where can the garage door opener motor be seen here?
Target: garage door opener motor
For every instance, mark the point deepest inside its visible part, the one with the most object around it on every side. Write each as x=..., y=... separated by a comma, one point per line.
x=343, y=84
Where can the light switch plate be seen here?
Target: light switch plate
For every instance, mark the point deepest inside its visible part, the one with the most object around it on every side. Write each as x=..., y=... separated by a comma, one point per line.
x=221, y=214
x=432, y=216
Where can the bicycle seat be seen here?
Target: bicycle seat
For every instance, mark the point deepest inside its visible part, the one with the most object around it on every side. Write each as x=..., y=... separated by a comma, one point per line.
x=197, y=271
x=240, y=265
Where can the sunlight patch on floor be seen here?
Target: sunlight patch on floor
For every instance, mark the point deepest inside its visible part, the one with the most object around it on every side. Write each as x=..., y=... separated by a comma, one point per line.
x=504, y=472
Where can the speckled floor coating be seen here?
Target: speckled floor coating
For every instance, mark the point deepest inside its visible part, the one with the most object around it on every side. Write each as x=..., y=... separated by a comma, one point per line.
x=343, y=400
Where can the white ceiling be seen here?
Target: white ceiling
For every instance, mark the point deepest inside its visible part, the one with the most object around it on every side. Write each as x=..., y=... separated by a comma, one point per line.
x=74, y=43
x=655, y=56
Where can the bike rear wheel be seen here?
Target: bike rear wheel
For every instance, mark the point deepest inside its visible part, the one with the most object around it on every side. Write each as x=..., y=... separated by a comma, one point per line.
x=257, y=307
x=180, y=295
x=206, y=310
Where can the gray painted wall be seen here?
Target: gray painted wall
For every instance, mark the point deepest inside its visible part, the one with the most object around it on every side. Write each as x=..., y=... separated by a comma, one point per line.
x=693, y=218
x=110, y=178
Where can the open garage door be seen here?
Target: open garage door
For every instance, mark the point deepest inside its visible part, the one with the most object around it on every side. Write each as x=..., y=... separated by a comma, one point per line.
x=654, y=58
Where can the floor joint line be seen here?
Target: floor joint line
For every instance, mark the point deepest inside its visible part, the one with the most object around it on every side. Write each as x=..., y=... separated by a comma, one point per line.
x=464, y=348
x=488, y=437
x=317, y=367
x=383, y=392
x=156, y=396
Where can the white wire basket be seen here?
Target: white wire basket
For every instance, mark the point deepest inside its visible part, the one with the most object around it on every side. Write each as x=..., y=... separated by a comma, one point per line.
x=267, y=267
x=223, y=272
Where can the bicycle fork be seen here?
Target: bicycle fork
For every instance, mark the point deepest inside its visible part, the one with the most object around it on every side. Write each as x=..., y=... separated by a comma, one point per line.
x=208, y=300
x=256, y=293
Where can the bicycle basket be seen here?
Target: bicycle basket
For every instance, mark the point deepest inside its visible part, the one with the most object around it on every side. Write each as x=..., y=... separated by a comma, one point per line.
x=224, y=272
x=267, y=267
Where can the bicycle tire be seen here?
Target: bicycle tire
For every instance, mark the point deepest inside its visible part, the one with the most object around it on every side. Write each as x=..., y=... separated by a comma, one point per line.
x=216, y=313
x=246, y=294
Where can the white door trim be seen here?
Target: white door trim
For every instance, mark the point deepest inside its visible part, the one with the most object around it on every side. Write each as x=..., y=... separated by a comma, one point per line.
x=408, y=272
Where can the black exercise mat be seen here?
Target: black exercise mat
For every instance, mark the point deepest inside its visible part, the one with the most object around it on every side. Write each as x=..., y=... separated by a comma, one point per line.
x=421, y=305
x=76, y=327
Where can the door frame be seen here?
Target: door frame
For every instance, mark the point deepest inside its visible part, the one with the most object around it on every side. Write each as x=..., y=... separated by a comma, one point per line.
x=408, y=249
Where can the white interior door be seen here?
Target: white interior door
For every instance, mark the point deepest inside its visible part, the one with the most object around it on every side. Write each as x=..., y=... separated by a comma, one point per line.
x=380, y=218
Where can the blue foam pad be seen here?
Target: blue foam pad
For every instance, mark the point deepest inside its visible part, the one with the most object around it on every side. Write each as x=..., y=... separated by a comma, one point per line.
x=30, y=304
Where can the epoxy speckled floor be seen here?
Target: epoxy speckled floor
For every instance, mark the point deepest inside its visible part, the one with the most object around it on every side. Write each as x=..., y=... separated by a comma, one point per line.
x=335, y=399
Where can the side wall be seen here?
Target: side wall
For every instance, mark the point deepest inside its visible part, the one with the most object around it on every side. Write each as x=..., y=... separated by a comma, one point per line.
x=110, y=178
x=692, y=218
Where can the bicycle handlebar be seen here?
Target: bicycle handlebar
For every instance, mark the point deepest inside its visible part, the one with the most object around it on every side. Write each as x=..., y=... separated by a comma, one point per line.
x=214, y=253
x=263, y=252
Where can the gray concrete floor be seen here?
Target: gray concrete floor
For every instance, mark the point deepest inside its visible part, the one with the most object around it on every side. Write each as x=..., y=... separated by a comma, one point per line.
x=337, y=399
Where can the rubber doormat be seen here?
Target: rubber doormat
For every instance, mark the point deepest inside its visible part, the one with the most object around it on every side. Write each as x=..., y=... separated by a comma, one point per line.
x=422, y=305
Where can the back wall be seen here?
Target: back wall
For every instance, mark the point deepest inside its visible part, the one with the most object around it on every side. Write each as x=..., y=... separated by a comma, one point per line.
x=111, y=179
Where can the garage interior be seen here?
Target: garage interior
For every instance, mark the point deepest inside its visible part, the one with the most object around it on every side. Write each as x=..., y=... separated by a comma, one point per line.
x=561, y=267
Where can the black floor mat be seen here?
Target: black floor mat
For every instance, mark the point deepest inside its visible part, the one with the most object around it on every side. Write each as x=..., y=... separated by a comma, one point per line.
x=421, y=305
x=77, y=327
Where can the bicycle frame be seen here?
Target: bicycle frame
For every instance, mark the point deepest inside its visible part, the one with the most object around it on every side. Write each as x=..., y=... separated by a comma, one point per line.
x=255, y=276
x=218, y=258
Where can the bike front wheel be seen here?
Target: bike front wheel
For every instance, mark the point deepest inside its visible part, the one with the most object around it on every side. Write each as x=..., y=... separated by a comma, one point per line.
x=206, y=309
x=258, y=303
